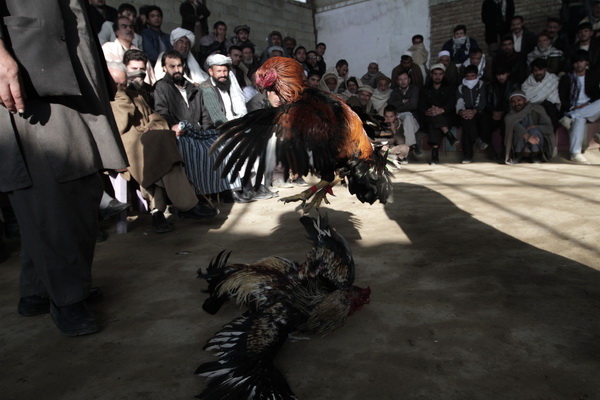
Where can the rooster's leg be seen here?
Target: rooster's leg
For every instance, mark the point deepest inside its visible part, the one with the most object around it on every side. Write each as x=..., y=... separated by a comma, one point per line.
x=319, y=191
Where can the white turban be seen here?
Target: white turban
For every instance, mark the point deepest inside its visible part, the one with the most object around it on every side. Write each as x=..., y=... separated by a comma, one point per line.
x=178, y=33
x=443, y=53
x=218, y=59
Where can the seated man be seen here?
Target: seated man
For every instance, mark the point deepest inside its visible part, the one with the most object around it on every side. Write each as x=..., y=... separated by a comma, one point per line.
x=478, y=59
x=180, y=103
x=114, y=51
x=419, y=53
x=392, y=138
x=183, y=40
x=274, y=39
x=136, y=64
x=214, y=42
x=524, y=40
x=579, y=94
x=370, y=78
x=528, y=129
x=241, y=36
x=362, y=103
x=497, y=105
x=155, y=40
x=237, y=66
x=459, y=45
x=406, y=100
x=470, y=107
x=313, y=79
x=107, y=34
x=415, y=72
x=545, y=50
x=381, y=94
x=541, y=87
x=585, y=41
x=155, y=162
x=436, y=102
x=451, y=74
x=510, y=59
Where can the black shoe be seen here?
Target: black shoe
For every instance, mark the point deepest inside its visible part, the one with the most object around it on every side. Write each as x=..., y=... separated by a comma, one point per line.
x=115, y=207
x=451, y=138
x=481, y=144
x=199, y=211
x=160, y=223
x=30, y=306
x=435, y=156
x=536, y=159
x=416, y=151
x=75, y=319
x=227, y=196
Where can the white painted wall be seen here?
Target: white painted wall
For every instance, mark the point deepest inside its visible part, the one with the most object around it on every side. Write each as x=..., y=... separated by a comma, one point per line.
x=372, y=30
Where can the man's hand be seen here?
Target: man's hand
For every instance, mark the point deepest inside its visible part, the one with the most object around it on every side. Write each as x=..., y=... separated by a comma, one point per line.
x=531, y=138
x=178, y=132
x=11, y=93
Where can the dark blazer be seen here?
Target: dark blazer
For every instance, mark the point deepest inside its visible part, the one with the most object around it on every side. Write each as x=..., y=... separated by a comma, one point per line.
x=592, y=89
x=68, y=107
x=528, y=42
x=169, y=103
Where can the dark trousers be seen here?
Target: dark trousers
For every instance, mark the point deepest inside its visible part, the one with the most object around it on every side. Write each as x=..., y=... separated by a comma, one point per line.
x=58, y=223
x=434, y=131
x=552, y=112
x=472, y=130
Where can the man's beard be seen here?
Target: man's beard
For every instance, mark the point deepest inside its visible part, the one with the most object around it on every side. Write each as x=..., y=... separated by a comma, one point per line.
x=223, y=85
x=178, y=78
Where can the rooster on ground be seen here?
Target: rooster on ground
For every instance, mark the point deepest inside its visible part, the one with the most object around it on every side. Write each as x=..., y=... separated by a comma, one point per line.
x=281, y=297
x=307, y=131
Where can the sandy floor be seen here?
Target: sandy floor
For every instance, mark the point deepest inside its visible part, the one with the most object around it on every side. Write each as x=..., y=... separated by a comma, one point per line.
x=485, y=285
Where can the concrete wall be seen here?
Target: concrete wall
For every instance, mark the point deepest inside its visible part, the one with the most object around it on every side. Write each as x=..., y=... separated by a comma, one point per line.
x=370, y=30
x=289, y=17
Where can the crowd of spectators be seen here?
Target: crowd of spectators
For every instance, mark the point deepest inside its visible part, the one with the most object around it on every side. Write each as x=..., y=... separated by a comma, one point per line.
x=459, y=96
x=522, y=84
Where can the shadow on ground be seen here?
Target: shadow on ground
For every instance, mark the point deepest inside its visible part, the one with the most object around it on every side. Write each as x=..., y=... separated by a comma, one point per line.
x=459, y=310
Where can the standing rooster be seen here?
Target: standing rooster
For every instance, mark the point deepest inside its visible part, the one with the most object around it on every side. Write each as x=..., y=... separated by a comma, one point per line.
x=282, y=297
x=307, y=131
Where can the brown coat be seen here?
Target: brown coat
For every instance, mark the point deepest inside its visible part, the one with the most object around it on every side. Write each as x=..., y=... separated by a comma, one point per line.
x=150, y=145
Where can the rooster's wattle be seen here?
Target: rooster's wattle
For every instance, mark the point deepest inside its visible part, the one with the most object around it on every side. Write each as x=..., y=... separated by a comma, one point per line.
x=281, y=297
x=310, y=132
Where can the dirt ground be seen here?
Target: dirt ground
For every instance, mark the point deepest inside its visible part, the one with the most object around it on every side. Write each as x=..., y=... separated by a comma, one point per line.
x=485, y=284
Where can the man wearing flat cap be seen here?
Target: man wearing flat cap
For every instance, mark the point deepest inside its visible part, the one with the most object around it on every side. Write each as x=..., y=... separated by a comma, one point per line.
x=242, y=36
x=527, y=129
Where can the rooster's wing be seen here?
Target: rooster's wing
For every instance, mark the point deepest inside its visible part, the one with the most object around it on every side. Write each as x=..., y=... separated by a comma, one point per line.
x=312, y=134
x=330, y=259
x=246, y=348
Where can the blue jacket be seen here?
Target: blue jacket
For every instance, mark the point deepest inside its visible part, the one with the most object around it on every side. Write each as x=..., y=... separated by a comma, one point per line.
x=152, y=45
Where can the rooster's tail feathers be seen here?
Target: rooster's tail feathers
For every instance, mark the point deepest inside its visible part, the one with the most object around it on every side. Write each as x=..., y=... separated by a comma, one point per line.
x=370, y=180
x=215, y=274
